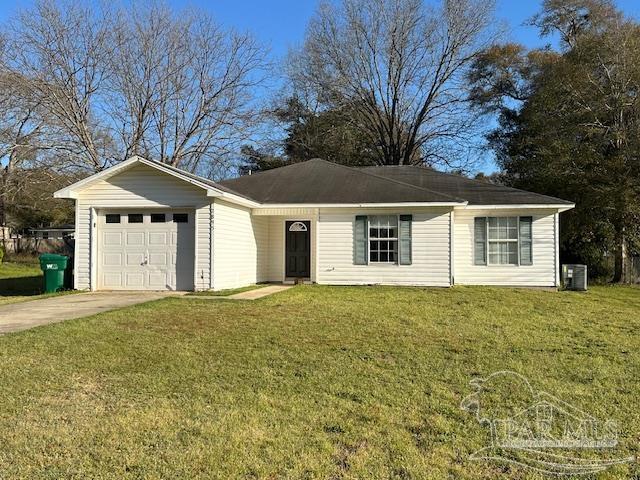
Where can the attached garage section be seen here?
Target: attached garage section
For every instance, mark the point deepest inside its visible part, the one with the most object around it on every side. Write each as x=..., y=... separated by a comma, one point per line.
x=145, y=249
x=142, y=225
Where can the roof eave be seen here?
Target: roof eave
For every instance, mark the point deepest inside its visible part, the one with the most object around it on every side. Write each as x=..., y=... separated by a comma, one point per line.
x=360, y=205
x=561, y=207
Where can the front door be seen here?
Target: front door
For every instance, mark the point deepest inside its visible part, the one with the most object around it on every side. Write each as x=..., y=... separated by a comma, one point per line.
x=298, y=249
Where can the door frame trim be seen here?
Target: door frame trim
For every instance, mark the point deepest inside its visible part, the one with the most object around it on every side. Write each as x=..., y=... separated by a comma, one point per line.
x=311, y=231
x=94, y=232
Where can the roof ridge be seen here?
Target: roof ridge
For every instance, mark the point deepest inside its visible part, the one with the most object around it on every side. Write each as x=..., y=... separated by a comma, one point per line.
x=260, y=172
x=393, y=180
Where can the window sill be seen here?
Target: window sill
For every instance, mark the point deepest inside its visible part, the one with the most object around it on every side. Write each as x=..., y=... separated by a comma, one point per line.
x=503, y=266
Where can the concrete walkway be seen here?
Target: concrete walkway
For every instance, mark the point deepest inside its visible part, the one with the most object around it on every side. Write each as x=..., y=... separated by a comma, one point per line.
x=259, y=292
x=248, y=295
x=24, y=315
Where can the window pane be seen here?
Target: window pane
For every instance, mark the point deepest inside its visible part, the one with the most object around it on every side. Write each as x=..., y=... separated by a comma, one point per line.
x=135, y=218
x=180, y=217
x=384, y=256
x=512, y=248
x=112, y=218
x=373, y=256
x=503, y=253
x=512, y=225
x=157, y=218
x=502, y=228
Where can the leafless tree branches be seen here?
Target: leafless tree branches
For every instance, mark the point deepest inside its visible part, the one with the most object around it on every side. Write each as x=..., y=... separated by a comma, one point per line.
x=111, y=83
x=401, y=64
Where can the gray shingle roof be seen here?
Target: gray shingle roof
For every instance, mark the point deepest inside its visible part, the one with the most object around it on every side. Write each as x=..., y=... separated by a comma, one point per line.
x=319, y=181
x=474, y=191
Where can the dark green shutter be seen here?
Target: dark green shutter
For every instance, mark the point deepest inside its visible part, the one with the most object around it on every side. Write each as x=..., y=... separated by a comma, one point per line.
x=526, y=240
x=360, y=240
x=405, y=239
x=480, y=241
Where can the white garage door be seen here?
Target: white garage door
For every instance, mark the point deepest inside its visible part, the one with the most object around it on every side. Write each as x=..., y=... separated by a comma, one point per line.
x=146, y=250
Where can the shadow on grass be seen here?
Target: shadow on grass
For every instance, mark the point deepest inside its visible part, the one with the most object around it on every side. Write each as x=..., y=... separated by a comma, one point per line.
x=21, y=286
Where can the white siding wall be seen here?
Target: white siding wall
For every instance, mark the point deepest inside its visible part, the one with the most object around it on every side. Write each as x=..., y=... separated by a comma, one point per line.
x=203, y=247
x=139, y=187
x=430, y=250
x=237, y=239
x=541, y=274
x=261, y=232
x=82, y=271
x=276, y=249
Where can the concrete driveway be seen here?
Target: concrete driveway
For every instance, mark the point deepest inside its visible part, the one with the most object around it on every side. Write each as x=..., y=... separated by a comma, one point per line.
x=24, y=315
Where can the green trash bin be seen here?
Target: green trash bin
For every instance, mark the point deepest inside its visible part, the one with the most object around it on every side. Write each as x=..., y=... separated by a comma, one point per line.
x=53, y=267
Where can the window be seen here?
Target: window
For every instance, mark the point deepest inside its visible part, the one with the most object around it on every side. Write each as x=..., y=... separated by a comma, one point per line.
x=135, y=218
x=180, y=217
x=112, y=218
x=298, y=227
x=503, y=241
x=383, y=239
x=157, y=218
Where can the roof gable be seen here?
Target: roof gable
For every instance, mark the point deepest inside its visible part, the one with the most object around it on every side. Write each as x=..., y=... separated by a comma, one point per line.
x=212, y=189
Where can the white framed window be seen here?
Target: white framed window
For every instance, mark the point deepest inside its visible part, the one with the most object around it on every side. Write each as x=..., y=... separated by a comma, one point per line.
x=502, y=237
x=503, y=240
x=383, y=239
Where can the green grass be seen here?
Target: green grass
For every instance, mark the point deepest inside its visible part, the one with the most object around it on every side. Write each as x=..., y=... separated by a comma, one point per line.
x=314, y=382
x=21, y=281
x=226, y=292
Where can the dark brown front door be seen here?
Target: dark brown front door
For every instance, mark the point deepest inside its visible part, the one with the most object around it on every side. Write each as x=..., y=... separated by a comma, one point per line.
x=298, y=249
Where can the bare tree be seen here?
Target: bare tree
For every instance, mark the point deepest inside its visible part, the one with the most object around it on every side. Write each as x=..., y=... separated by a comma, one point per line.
x=401, y=64
x=182, y=86
x=141, y=80
x=58, y=55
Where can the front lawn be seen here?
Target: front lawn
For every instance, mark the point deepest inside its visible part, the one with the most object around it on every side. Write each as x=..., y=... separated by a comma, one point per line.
x=227, y=292
x=314, y=382
x=21, y=281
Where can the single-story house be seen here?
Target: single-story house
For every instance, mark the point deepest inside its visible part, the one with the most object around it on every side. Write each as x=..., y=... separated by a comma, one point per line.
x=143, y=225
x=52, y=233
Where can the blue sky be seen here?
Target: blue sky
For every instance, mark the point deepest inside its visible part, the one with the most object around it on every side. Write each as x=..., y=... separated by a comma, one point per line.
x=281, y=23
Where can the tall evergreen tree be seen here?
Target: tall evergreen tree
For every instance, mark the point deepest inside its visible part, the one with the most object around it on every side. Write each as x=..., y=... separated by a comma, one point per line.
x=569, y=122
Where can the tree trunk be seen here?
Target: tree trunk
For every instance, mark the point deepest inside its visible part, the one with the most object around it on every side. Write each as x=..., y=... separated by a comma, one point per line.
x=620, y=260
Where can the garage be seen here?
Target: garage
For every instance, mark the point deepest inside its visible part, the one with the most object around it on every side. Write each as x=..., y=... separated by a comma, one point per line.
x=145, y=249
